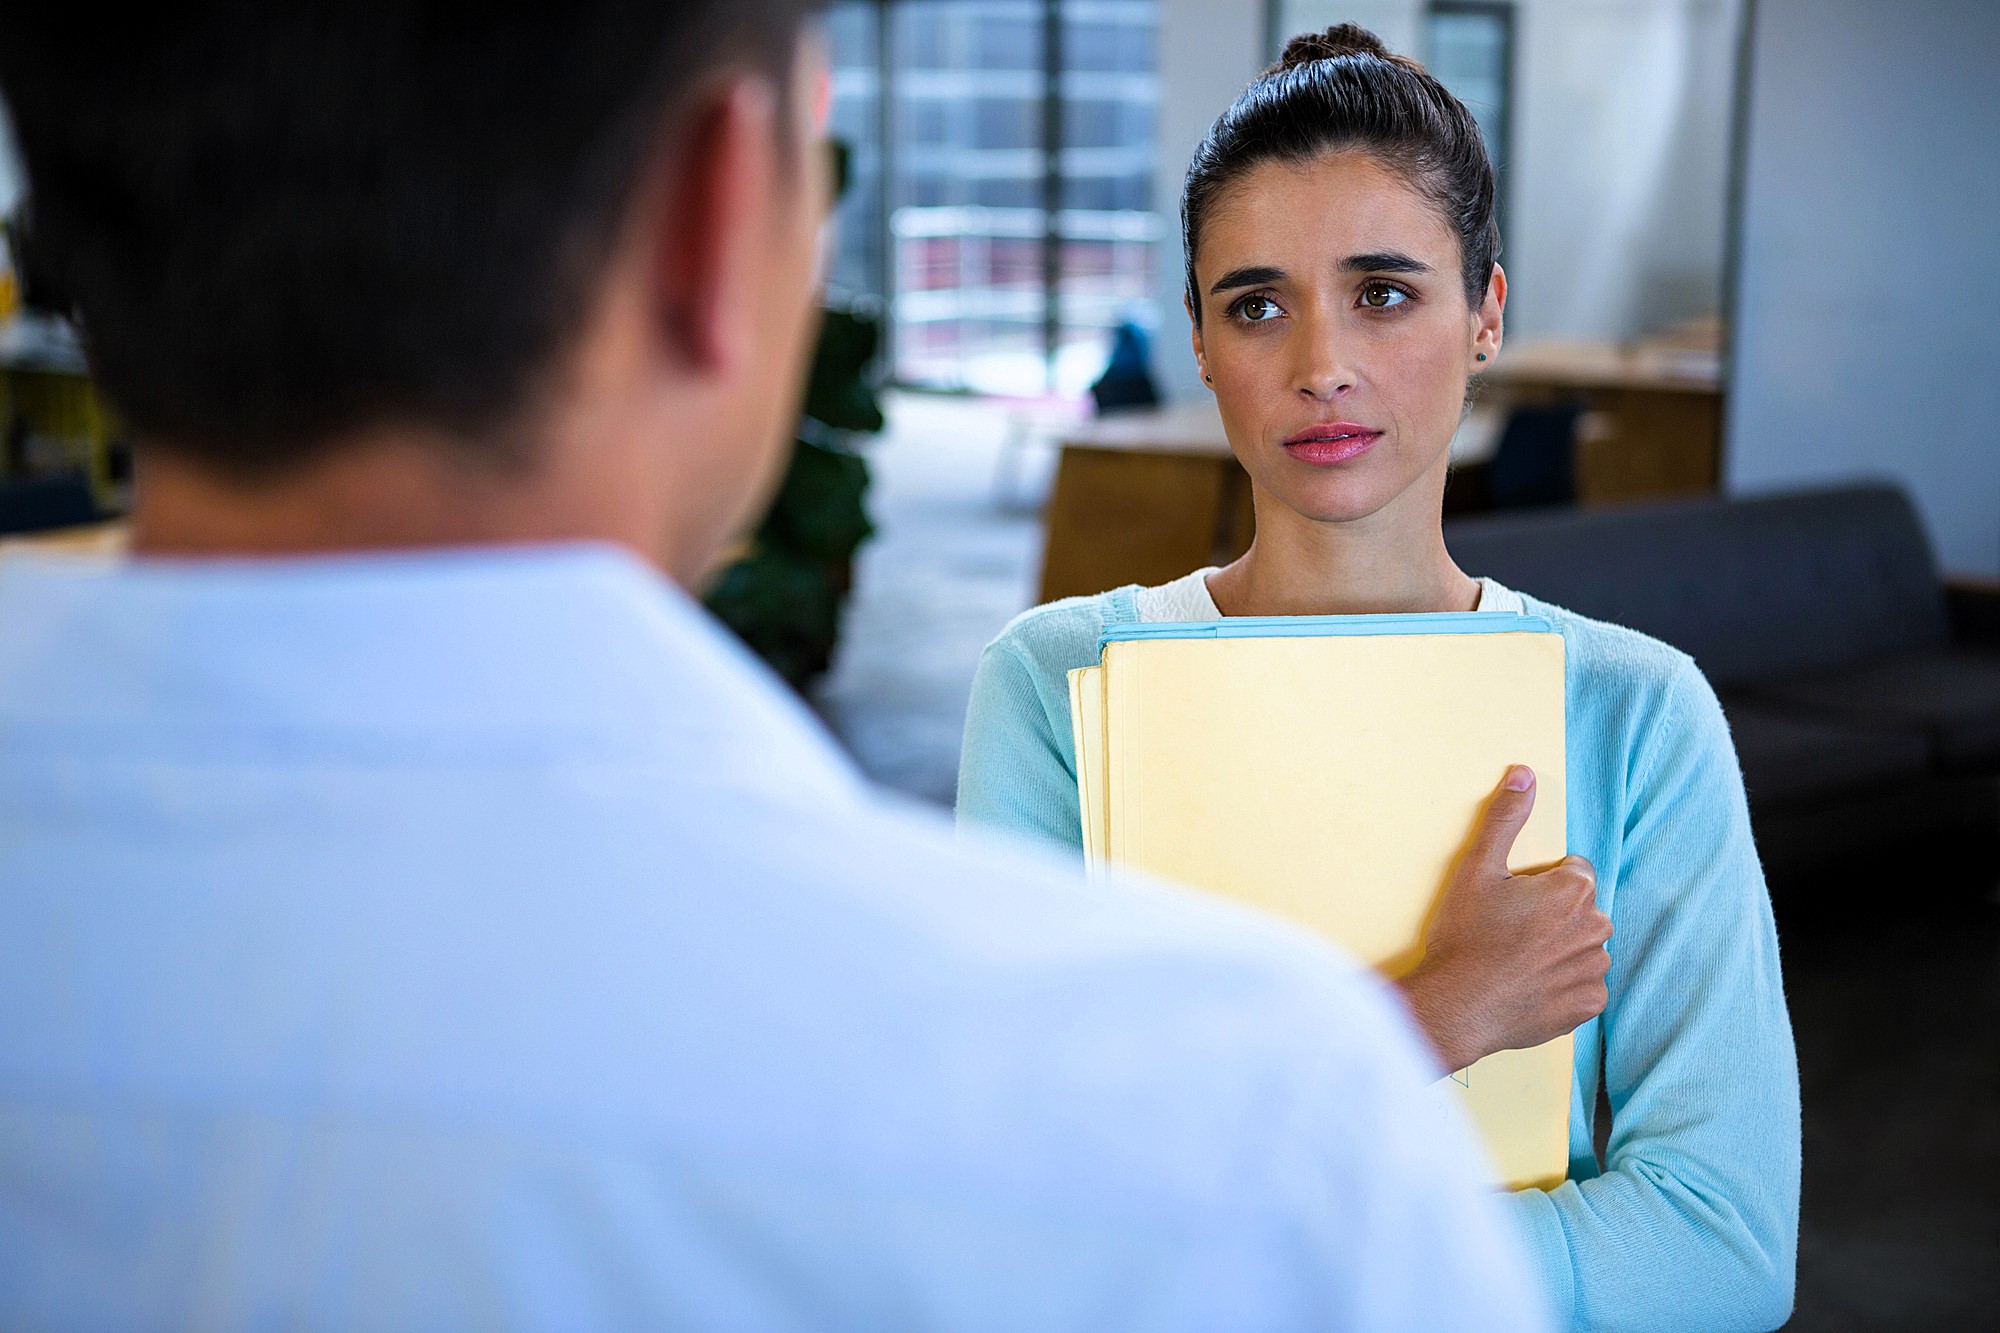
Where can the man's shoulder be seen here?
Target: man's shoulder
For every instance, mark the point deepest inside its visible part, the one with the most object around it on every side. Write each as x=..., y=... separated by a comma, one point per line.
x=1023, y=916
x=1017, y=1010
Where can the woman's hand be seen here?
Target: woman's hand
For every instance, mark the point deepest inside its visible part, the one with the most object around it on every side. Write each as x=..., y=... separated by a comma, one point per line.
x=1511, y=960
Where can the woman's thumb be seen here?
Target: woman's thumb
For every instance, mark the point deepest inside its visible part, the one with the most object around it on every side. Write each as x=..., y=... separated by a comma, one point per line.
x=1505, y=815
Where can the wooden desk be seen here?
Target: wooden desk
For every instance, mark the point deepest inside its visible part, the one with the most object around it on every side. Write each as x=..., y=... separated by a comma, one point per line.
x=1143, y=497
x=46, y=394
x=1657, y=413
x=106, y=540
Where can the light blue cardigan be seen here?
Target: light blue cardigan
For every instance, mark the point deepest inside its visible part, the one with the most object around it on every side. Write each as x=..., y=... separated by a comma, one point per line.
x=1692, y=1220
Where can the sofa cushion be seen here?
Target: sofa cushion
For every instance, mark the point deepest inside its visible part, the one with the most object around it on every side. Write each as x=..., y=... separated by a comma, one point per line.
x=1950, y=698
x=1787, y=758
x=1754, y=589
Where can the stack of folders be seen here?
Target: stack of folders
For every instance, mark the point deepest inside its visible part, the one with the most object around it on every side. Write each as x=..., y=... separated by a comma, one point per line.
x=1332, y=769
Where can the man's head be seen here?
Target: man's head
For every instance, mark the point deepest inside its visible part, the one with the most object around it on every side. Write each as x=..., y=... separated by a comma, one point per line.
x=498, y=242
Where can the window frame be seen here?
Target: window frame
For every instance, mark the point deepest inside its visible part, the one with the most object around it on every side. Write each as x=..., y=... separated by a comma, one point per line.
x=1502, y=151
x=882, y=245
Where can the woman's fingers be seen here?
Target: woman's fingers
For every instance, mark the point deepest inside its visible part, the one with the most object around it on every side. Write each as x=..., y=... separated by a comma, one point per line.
x=1511, y=960
x=1505, y=816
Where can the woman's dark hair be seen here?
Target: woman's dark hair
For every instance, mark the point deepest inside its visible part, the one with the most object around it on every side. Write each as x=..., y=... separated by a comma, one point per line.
x=1341, y=89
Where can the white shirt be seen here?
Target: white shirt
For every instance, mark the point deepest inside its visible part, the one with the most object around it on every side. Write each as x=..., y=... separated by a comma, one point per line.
x=1187, y=599
x=479, y=939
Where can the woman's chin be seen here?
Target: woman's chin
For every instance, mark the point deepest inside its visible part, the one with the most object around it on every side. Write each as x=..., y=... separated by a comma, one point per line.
x=1333, y=498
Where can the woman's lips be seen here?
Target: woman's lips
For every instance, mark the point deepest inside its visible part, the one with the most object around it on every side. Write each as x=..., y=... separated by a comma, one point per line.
x=1336, y=442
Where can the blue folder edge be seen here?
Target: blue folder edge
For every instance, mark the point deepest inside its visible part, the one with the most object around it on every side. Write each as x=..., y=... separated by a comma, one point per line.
x=1300, y=627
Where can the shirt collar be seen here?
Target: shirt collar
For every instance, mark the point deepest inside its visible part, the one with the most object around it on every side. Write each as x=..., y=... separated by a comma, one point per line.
x=577, y=652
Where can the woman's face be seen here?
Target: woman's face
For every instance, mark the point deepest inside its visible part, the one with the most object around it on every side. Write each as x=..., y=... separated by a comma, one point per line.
x=1335, y=332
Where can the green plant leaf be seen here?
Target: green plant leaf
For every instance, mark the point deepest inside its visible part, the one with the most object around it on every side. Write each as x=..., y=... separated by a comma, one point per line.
x=784, y=598
x=819, y=513
x=838, y=394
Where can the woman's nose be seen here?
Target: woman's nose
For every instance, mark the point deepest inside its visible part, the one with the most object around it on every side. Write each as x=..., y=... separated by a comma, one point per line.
x=1324, y=374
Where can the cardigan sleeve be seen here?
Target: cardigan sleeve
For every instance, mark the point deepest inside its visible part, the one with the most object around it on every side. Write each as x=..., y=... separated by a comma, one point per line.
x=1694, y=1222
x=1017, y=768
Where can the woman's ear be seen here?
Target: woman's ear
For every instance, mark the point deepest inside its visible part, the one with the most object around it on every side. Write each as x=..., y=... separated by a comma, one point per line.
x=1194, y=337
x=1488, y=321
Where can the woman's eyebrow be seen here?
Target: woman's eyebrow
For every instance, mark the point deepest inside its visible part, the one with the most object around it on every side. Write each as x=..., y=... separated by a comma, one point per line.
x=1252, y=275
x=1381, y=261
x=1385, y=261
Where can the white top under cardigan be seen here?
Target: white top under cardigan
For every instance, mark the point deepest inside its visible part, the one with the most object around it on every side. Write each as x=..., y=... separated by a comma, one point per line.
x=1187, y=599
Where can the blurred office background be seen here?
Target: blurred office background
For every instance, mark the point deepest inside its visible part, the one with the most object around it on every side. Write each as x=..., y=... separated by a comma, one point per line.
x=1750, y=257
x=1750, y=402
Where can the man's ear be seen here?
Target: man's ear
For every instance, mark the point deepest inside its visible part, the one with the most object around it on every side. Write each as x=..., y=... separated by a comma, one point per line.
x=715, y=223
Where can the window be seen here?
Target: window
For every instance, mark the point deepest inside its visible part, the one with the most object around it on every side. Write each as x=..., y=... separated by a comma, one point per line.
x=1470, y=48
x=1001, y=195
x=853, y=34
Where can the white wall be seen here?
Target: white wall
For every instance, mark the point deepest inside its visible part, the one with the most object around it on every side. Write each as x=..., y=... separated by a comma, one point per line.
x=1867, y=320
x=1208, y=50
x=11, y=183
x=1620, y=148
x=1621, y=164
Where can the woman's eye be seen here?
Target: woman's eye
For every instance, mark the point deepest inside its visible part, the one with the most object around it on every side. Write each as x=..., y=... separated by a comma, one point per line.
x=1380, y=295
x=1258, y=309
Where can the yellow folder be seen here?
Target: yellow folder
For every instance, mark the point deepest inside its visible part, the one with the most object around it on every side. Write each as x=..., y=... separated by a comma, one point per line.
x=1331, y=769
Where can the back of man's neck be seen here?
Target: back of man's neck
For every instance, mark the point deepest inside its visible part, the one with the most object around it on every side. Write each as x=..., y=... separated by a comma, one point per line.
x=388, y=492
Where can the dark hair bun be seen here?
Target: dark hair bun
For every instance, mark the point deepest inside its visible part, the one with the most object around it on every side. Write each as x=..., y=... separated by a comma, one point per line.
x=1342, y=39
x=1342, y=90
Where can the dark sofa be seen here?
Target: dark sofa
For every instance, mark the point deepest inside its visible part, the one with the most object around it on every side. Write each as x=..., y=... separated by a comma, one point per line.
x=1863, y=692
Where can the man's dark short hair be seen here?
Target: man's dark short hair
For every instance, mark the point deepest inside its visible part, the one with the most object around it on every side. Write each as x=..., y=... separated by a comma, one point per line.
x=278, y=222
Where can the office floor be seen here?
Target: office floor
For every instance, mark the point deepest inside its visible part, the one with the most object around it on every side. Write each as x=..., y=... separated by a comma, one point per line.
x=956, y=555
x=1895, y=992
x=1893, y=975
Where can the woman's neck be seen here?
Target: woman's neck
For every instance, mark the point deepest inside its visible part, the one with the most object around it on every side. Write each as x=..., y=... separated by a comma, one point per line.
x=1394, y=560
